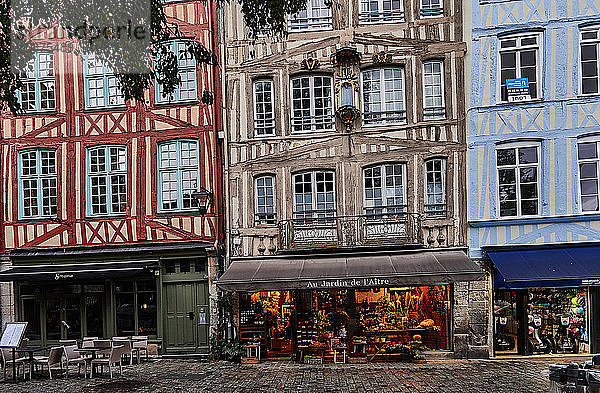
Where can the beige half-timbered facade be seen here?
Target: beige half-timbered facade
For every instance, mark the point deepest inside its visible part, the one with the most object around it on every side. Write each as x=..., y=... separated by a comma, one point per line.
x=346, y=139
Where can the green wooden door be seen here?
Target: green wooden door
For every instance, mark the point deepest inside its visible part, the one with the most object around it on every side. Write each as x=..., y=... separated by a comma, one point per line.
x=186, y=329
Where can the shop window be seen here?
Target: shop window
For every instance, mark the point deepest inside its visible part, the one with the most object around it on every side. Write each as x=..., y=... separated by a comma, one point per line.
x=101, y=87
x=106, y=180
x=72, y=316
x=519, y=58
x=184, y=267
x=31, y=315
x=37, y=183
x=435, y=187
x=312, y=105
x=37, y=93
x=433, y=90
x=383, y=96
x=136, y=307
x=264, y=187
x=178, y=175
x=317, y=16
x=589, y=161
x=93, y=315
x=187, y=89
x=384, y=190
x=518, y=183
x=590, y=38
x=432, y=8
x=314, y=195
x=264, y=117
x=53, y=325
x=374, y=11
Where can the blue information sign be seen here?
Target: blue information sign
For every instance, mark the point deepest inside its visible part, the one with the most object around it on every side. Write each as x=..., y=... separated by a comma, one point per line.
x=518, y=89
x=517, y=83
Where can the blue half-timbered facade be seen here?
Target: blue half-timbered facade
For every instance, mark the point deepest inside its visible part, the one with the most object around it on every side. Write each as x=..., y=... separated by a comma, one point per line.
x=533, y=162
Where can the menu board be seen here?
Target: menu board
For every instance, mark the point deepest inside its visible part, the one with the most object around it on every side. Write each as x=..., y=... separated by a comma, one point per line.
x=13, y=334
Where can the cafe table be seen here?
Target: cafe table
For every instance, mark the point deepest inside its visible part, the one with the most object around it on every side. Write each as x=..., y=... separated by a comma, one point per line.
x=93, y=350
x=31, y=351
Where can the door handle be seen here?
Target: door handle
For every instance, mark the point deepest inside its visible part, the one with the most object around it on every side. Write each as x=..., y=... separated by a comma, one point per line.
x=191, y=315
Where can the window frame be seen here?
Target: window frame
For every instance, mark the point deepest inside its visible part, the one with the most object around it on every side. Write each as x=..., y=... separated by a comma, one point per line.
x=107, y=174
x=403, y=118
x=39, y=177
x=516, y=167
x=136, y=292
x=314, y=213
x=322, y=26
x=596, y=42
x=384, y=206
x=176, y=96
x=380, y=18
x=255, y=82
x=431, y=12
x=590, y=139
x=538, y=58
x=37, y=80
x=444, y=177
x=106, y=76
x=312, y=109
x=435, y=116
x=178, y=170
x=258, y=220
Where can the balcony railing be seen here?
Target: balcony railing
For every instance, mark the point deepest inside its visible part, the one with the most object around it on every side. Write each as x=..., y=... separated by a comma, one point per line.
x=351, y=231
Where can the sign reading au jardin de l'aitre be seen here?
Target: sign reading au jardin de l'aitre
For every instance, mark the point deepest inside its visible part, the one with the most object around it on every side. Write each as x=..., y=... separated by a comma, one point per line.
x=348, y=283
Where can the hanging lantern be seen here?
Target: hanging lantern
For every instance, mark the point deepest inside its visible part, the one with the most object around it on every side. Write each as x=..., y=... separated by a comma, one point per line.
x=204, y=199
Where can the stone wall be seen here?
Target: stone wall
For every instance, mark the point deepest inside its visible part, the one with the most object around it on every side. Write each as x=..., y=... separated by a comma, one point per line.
x=7, y=298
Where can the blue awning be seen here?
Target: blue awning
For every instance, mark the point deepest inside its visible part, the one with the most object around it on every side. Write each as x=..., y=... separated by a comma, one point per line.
x=547, y=267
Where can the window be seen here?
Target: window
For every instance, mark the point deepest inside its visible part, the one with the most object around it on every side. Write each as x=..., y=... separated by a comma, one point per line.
x=381, y=11
x=265, y=200
x=519, y=59
x=264, y=119
x=435, y=187
x=589, y=159
x=432, y=8
x=101, y=88
x=135, y=303
x=37, y=94
x=311, y=104
x=177, y=175
x=385, y=190
x=37, y=183
x=314, y=195
x=433, y=90
x=187, y=89
x=383, y=96
x=518, y=169
x=317, y=16
x=106, y=180
x=589, y=60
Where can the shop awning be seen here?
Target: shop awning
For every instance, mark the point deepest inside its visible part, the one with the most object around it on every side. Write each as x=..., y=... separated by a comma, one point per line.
x=72, y=272
x=349, y=271
x=547, y=267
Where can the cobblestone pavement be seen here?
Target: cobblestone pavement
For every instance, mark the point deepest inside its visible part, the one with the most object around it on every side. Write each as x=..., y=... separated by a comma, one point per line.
x=167, y=375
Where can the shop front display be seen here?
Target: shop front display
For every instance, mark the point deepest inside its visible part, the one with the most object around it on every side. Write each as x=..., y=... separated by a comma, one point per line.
x=541, y=321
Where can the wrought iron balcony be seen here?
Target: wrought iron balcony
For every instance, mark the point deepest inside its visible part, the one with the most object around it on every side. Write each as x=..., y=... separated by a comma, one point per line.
x=351, y=231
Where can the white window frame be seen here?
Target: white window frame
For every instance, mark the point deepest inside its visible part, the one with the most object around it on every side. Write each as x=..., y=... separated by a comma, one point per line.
x=261, y=218
x=107, y=174
x=386, y=210
x=431, y=12
x=596, y=140
x=517, y=166
x=441, y=110
x=589, y=41
x=539, y=61
x=185, y=66
x=178, y=169
x=313, y=123
x=314, y=213
x=367, y=17
x=312, y=23
x=110, y=86
x=34, y=76
x=261, y=124
x=434, y=213
x=39, y=177
x=402, y=119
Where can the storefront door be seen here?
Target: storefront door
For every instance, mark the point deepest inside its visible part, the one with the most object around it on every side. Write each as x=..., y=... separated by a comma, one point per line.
x=186, y=324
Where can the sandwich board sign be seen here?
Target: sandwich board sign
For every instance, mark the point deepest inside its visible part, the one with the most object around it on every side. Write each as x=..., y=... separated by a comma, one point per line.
x=13, y=334
x=518, y=89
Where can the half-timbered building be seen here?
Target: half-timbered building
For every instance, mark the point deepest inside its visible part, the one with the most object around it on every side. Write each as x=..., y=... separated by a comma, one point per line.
x=345, y=181
x=533, y=170
x=101, y=230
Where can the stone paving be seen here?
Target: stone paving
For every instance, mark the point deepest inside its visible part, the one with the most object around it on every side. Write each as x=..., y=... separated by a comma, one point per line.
x=168, y=375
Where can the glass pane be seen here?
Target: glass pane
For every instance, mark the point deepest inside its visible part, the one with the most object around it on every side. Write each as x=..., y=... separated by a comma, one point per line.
x=125, y=314
x=124, y=286
x=528, y=155
x=73, y=317
x=31, y=314
x=147, y=313
x=93, y=316
x=506, y=157
x=146, y=285
x=53, y=319
x=586, y=150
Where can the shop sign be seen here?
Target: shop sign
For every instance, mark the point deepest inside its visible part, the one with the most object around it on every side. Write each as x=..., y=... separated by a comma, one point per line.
x=348, y=283
x=595, y=281
x=62, y=276
x=518, y=89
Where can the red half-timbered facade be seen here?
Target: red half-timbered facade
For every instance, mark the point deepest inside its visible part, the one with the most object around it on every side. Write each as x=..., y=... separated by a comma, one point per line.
x=89, y=178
